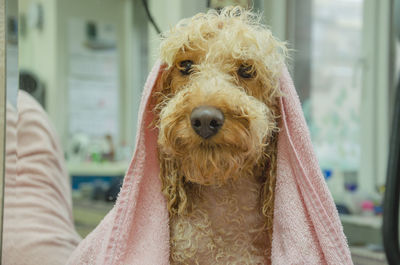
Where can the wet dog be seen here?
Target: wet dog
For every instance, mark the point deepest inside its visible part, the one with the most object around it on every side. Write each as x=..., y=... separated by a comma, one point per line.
x=217, y=114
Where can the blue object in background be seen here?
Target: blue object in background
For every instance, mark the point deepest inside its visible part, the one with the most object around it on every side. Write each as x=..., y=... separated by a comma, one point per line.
x=327, y=173
x=77, y=180
x=105, y=188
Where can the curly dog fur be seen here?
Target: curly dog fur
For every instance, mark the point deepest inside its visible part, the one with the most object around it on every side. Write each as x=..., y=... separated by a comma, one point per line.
x=220, y=191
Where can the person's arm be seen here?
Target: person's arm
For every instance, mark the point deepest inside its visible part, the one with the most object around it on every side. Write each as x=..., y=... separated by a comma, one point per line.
x=41, y=209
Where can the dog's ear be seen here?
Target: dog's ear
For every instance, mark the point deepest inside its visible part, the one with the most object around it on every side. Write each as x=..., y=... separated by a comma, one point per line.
x=174, y=187
x=163, y=85
x=161, y=91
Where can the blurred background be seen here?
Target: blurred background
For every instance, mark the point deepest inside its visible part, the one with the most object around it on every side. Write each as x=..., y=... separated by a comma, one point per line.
x=86, y=63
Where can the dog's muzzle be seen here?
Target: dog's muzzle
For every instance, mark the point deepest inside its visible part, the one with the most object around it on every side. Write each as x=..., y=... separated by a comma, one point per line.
x=206, y=121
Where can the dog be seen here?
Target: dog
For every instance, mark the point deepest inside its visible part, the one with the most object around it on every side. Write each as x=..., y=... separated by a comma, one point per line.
x=217, y=112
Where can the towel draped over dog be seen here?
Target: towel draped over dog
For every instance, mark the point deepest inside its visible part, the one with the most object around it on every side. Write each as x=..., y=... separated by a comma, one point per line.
x=306, y=228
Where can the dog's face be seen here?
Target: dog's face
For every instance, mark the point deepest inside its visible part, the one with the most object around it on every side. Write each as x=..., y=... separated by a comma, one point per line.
x=217, y=97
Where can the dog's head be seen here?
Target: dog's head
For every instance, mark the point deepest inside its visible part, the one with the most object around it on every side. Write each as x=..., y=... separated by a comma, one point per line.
x=217, y=99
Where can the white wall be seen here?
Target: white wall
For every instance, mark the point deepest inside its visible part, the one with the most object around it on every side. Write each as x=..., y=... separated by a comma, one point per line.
x=46, y=53
x=38, y=53
x=275, y=16
x=167, y=14
x=375, y=95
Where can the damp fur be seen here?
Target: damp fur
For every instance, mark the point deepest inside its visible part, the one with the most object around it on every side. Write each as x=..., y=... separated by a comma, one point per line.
x=240, y=160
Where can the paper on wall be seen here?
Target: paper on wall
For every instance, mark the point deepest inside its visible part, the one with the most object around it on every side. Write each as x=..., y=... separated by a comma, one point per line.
x=93, y=81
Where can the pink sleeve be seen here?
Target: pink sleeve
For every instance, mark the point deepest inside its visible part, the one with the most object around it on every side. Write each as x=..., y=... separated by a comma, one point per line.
x=38, y=218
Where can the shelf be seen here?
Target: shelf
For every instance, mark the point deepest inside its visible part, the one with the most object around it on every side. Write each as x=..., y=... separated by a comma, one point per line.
x=97, y=169
x=367, y=221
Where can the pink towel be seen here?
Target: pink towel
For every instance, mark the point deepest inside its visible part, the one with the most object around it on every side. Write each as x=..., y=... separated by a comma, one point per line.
x=307, y=229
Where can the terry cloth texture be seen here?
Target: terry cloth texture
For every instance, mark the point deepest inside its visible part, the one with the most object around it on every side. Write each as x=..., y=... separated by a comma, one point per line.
x=307, y=229
x=38, y=224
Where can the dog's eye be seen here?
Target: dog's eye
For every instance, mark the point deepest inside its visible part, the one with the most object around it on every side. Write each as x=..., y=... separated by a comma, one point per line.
x=186, y=67
x=246, y=71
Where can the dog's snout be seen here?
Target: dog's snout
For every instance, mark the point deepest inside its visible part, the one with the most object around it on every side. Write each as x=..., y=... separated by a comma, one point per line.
x=206, y=121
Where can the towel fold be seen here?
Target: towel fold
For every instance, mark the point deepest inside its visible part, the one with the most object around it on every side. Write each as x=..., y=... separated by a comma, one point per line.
x=38, y=227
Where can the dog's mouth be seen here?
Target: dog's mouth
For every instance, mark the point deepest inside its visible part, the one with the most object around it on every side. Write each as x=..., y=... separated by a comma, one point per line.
x=212, y=145
x=216, y=165
x=211, y=128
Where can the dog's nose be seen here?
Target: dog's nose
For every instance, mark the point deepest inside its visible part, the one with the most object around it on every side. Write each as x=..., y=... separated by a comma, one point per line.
x=206, y=121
